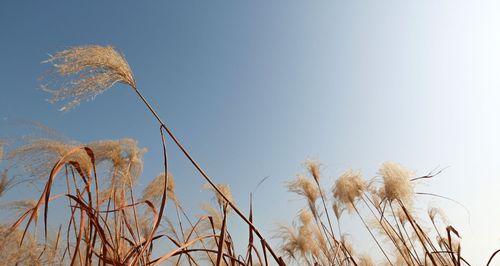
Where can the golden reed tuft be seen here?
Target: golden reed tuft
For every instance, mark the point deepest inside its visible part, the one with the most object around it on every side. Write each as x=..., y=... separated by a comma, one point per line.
x=83, y=72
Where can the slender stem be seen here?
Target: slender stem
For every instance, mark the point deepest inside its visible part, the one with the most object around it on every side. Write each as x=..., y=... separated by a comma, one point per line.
x=373, y=236
x=390, y=235
x=207, y=178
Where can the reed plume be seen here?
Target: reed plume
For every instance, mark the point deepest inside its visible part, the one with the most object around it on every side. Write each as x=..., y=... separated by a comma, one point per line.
x=397, y=183
x=154, y=190
x=348, y=188
x=83, y=72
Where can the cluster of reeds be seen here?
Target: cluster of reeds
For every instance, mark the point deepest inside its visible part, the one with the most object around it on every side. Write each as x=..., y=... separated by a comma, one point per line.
x=107, y=222
x=384, y=206
x=103, y=220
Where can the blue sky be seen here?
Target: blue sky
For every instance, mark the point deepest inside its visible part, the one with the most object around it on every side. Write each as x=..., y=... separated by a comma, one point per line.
x=253, y=89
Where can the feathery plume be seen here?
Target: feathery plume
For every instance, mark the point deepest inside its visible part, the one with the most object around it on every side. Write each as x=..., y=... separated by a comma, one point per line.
x=298, y=242
x=154, y=190
x=337, y=209
x=125, y=158
x=5, y=182
x=433, y=212
x=224, y=189
x=397, y=184
x=307, y=188
x=313, y=169
x=83, y=72
x=348, y=188
x=365, y=260
x=37, y=157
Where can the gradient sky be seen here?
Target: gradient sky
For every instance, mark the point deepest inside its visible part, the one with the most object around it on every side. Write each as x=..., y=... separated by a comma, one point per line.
x=253, y=89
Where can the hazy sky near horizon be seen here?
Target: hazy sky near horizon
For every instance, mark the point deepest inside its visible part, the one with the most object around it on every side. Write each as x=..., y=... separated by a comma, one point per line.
x=254, y=89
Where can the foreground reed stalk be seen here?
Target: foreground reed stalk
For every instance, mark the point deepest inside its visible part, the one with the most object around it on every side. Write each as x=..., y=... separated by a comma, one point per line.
x=207, y=178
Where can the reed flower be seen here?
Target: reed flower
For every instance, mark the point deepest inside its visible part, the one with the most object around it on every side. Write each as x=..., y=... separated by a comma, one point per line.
x=216, y=216
x=21, y=206
x=5, y=182
x=224, y=189
x=435, y=212
x=125, y=160
x=298, y=241
x=154, y=190
x=313, y=167
x=11, y=253
x=83, y=72
x=365, y=260
x=397, y=183
x=307, y=188
x=337, y=209
x=37, y=157
x=348, y=188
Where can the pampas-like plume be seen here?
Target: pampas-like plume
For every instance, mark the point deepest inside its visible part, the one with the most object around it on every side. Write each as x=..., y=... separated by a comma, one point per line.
x=83, y=72
x=433, y=212
x=125, y=156
x=5, y=182
x=348, y=188
x=21, y=206
x=305, y=187
x=154, y=190
x=365, y=260
x=224, y=189
x=397, y=183
x=39, y=156
x=297, y=242
x=313, y=169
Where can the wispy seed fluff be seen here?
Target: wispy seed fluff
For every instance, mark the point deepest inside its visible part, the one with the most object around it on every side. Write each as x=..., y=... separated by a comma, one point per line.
x=154, y=190
x=83, y=72
x=222, y=188
x=298, y=241
x=124, y=158
x=397, y=184
x=435, y=212
x=1, y=150
x=37, y=157
x=313, y=169
x=305, y=187
x=349, y=187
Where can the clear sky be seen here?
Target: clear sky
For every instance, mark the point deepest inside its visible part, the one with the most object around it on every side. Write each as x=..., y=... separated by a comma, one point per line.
x=255, y=88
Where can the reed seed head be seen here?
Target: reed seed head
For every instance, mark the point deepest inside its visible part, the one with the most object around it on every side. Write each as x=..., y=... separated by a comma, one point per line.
x=154, y=190
x=305, y=187
x=313, y=167
x=435, y=212
x=37, y=157
x=397, y=183
x=83, y=72
x=348, y=188
x=124, y=158
x=224, y=188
